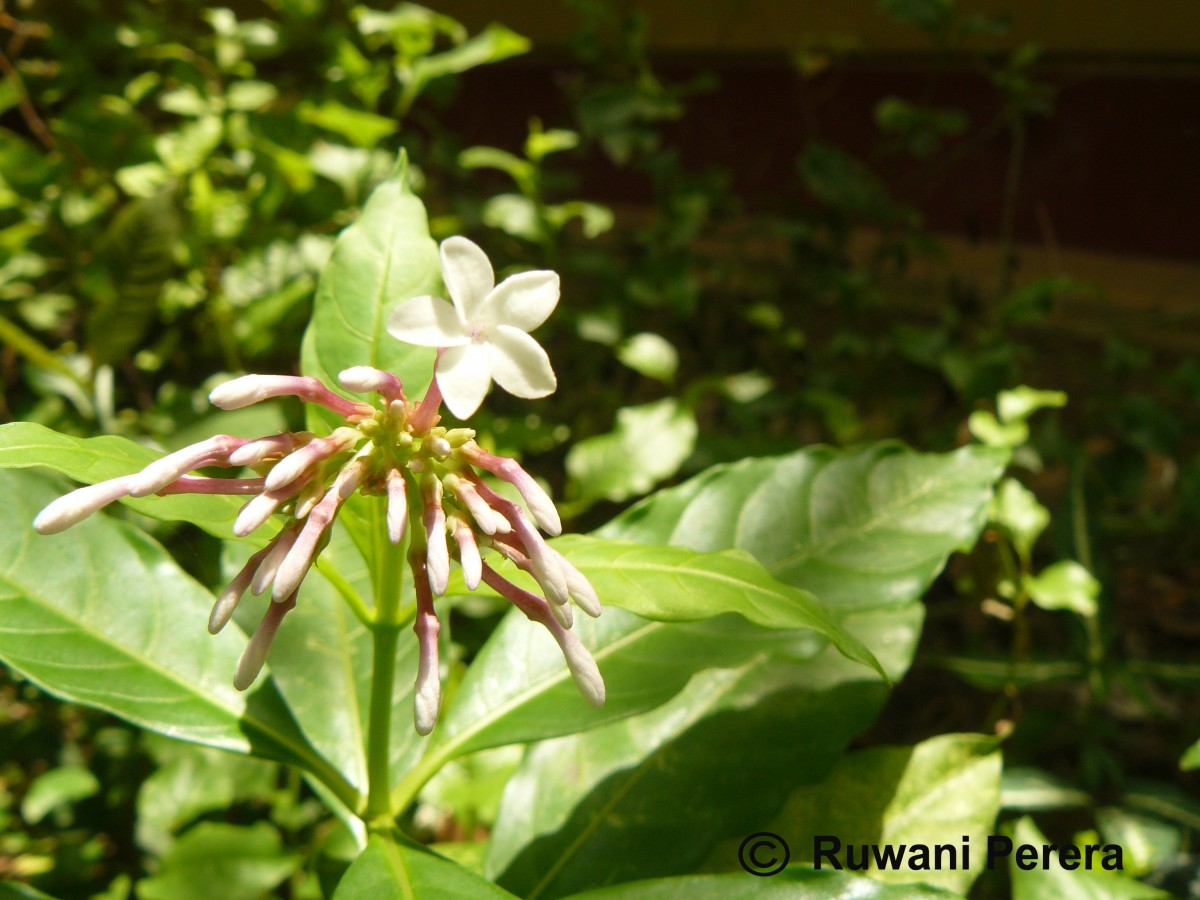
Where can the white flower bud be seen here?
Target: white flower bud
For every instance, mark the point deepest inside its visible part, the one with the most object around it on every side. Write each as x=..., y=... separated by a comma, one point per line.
x=427, y=693
x=365, y=379
x=397, y=506
x=256, y=511
x=563, y=613
x=579, y=587
x=255, y=655
x=278, y=551
x=301, y=554
x=76, y=506
x=468, y=553
x=297, y=463
x=540, y=505
x=256, y=451
x=229, y=598
x=583, y=667
x=163, y=471
x=437, y=554
x=488, y=520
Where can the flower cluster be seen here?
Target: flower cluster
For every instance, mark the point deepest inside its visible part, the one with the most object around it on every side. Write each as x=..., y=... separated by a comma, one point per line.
x=429, y=476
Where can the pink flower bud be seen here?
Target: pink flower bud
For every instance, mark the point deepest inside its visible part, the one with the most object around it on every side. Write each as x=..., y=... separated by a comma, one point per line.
x=277, y=444
x=278, y=551
x=161, y=472
x=76, y=506
x=229, y=598
x=579, y=587
x=427, y=693
x=297, y=463
x=468, y=553
x=488, y=520
x=543, y=562
x=437, y=556
x=538, y=501
x=365, y=379
x=397, y=506
x=583, y=667
x=250, y=389
x=300, y=557
x=255, y=655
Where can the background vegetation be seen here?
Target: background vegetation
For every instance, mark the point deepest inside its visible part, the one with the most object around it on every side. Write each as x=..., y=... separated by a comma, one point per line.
x=172, y=176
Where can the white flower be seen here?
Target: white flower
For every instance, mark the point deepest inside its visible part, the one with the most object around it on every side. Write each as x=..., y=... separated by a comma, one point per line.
x=486, y=332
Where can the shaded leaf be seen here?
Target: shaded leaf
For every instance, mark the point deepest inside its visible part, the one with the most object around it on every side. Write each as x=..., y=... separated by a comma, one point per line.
x=387, y=869
x=57, y=787
x=245, y=862
x=794, y=883
x=1056, y=883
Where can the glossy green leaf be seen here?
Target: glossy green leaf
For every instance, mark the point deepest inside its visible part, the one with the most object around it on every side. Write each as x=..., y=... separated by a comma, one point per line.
x=1148, y=842
x=936, y=792
x=387, y=869
x=242, y=863
x=648, y=444
x=1027, y=788
x=870, y=528
x=1018, y=511
x=1064, y=585
x=122, y=628
x=89, y=460
x=654, y=794
x=383, y=259
x=859, y=529
x=675, y=584
x=57, y=787
x=794, y=883
x=1056, y=883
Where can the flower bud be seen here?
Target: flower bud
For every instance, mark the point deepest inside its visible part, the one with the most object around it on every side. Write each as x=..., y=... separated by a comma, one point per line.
x=250, y=389
x=301, y=554
x=579, y=587
x=397, y=506
x=488, y=520
x=540, y=505
x=229, y=598
x=427, y=693
x=297, y=463
x=468, y=553
x=163, y=471
x=255, y=655
x=437, y=554
x=365, y=379
x=257, y=450
x=543, y=562
x=76, y=506
x=279, y=547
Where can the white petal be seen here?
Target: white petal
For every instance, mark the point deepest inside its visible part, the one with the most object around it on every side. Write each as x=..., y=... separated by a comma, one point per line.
x=467, y=273
x=520, y=365
x=523, y=301
x=427, y=322
x=464, y=374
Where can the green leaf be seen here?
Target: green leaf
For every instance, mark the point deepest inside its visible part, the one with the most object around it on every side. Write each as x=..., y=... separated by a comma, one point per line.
x=936, y=792
x=675, y=584
x=121, y=628
x=57, y=787
x=250, y=95
x=185, y=149
x=1018, y=511
x=1065, y=585
x=1057, y=883
x=361, y=128
x=493, y=44
x=1022, y=402
x=388, y=869
x=860, y=528
x=383, y=259
x=193, y=780
x=138, y=250
x=1148, y=842
x=1191, y=758
x=816, y=517
x=651, y=355
x=26, y=445
x=794, y=883
x=652, y=795
x=245, y=862
x=649, y=444
x=986, y=428
x=1027, y=788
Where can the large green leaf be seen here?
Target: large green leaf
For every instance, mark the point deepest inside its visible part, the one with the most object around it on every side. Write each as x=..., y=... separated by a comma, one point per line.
x=859, y=528
x=941, y=791
x=380, y=261
x=653, y=794
x=518, y=689
x=245, y=861
x=26, y=445
x=794, y=883
x=805, y=516
x=1054, y=882
x=677, y=584
x=120, y=627
x=387, y=869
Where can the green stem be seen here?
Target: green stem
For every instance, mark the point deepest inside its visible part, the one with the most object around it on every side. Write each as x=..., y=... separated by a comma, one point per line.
x=29, y=347
x=385, y=628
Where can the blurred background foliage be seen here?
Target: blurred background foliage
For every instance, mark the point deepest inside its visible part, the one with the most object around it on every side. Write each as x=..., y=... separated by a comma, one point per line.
x=172, y=175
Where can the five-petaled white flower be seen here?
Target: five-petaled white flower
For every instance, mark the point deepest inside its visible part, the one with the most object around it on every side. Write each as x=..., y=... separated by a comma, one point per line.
x=485, y=334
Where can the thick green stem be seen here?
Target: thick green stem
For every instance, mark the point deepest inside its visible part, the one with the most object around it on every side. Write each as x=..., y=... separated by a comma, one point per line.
x=385, y=632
